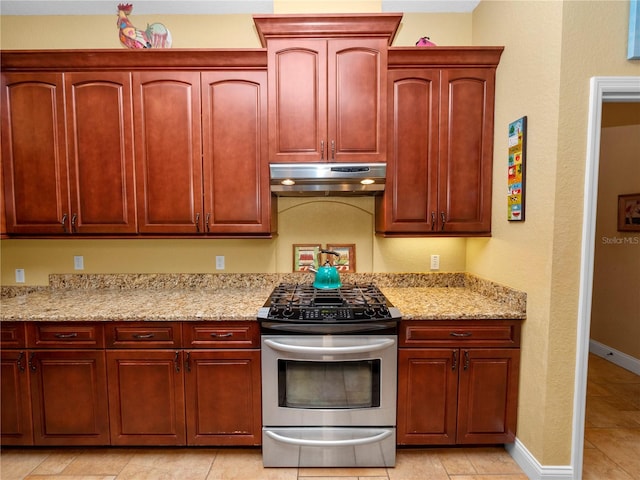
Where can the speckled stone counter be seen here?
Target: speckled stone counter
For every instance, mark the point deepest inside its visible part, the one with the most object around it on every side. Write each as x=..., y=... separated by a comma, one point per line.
x=211, y=297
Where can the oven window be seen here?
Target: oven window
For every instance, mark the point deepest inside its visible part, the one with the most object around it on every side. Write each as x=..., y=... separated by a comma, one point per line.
x=344, y=384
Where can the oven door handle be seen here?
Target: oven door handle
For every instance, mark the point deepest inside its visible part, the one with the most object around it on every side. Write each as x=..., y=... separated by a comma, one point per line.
x=283, y=347
x=329, y=443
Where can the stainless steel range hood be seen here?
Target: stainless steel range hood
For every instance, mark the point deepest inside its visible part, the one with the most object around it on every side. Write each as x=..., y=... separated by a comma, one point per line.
x=327, y=179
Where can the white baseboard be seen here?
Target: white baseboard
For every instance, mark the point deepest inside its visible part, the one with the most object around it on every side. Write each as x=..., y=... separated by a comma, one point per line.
x=532, y=468
x=614, y=356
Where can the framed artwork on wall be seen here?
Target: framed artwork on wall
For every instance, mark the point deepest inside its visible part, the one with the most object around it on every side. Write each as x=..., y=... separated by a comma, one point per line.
x=633, y=44
x=517, y=142
x=305, y=257
x=346, y=262
x=629, y=213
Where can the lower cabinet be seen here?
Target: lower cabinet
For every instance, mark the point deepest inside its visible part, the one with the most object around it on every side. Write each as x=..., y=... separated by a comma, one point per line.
x=131, y=383
x=458, y=382
x=199, y=396
x=16, y=425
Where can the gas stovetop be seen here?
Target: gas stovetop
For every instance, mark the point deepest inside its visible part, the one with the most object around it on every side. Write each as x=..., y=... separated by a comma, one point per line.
x=302, y=304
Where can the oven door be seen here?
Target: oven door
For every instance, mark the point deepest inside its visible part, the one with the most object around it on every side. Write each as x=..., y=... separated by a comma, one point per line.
x=329, y=380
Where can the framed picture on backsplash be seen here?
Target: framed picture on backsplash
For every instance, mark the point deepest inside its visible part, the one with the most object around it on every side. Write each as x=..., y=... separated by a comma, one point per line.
x=305, y=257
x=629, y=212
x=346, y=262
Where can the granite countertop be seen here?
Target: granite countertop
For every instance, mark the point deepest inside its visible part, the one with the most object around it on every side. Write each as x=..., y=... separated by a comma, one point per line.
x=239, y=296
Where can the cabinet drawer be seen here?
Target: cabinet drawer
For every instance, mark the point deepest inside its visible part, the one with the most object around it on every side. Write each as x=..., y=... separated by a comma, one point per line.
x=144, y=335
x=479, y=333
x=65, y=335
x=222, y=335
x=13, y=335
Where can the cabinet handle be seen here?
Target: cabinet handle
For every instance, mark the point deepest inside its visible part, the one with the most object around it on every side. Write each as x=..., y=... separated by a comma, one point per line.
x=454, y=362
x=460, y=334
x=198, y=222
x=143, y=335
x=466, y=359
x=222, y=335
x=176, y=361
x=32, y=363
x=73, y=223
x=206, y=227
x=19, y=361
x=64, y=223
x=187, y=362
x=322, y=150
x=433, y=220
x=333, y=150
x=66, y=335
x=444, y=220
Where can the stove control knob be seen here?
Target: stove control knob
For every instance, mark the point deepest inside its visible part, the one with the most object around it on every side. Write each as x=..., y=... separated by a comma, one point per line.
x=370, y=312
x=288, y=312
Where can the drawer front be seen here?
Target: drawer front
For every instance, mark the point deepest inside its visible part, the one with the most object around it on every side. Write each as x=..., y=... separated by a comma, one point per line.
x=65, y=335
x=13, y=335
x=481, y=333
x=222, y=335
x=144, y=335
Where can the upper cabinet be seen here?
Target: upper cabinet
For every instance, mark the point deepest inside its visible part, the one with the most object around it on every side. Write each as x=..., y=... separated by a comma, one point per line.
x=327, y=86
x=440, y=123
x=128, y=143
x=34, y=153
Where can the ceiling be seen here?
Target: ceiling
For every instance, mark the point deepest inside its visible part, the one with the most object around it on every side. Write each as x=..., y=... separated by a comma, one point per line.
x=211, y=7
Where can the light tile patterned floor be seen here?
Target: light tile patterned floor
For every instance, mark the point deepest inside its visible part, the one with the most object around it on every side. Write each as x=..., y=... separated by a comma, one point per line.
x=612, y=427
x=244, y=464
x=612, y=452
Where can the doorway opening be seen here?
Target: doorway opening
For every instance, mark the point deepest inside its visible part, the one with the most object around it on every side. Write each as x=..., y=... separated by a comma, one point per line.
x=602, y=89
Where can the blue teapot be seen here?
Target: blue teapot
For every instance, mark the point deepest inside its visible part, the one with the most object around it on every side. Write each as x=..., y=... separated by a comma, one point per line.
x=327, y=276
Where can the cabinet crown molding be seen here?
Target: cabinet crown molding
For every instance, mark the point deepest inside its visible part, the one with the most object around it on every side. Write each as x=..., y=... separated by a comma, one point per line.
x=379, y=25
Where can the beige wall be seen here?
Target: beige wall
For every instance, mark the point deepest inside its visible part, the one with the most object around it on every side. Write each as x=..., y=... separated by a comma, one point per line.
x=616, y=303
x=550, y=54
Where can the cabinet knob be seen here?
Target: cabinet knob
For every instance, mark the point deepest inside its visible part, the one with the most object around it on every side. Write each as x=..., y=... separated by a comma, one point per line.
x=444, y=220
x=64, y=223
x=198, y=222
x=322, y=150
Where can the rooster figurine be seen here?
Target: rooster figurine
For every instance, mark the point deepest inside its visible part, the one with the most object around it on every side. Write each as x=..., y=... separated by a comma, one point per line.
x=155, y=36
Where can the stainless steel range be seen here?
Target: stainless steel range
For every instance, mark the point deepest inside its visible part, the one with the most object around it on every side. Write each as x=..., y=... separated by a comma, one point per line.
x=329, y=366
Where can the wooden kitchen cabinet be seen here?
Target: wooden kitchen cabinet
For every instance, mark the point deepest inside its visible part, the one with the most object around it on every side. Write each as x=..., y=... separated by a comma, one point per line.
x=16, y=425
x=440, y=120
x=34, y=153
x=68, y=383
x=222, y=381
x=458, y=382
x=100, y=148
x=168, y=152
x=327, y=100
x=146, y=397
x=237, y=197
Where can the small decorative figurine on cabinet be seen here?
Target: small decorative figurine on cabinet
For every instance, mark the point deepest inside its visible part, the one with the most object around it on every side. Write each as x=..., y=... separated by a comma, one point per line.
x=425, y=42
x=155, y=36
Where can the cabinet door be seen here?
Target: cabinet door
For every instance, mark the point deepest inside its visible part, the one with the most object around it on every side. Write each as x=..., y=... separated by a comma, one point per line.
x=488, y=396
x=100, y=132
x=223, y=397
x=236, y=169
x=16, y=427
x=69, y=397
x=146, y=397
x=466, y=149
x=409, y=203
x=168, y=152
x=297, y=72
x=357, y=100
x=427, y=396
x=34, y=154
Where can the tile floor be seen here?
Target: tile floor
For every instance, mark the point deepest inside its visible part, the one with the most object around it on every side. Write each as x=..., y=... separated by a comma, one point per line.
x=612, y=452
x=612, y=423
x=486, y=463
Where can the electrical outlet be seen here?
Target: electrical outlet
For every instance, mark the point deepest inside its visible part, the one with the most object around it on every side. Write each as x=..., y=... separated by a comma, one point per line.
x=219, y=262
x=435, y=262
x=78, y=262
x=19, y=275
